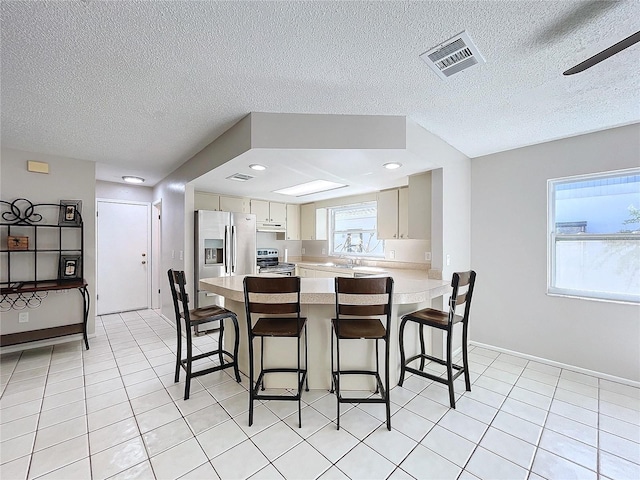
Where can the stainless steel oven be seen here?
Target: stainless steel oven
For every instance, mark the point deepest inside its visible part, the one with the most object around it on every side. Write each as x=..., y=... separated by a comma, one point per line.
x=267, y=261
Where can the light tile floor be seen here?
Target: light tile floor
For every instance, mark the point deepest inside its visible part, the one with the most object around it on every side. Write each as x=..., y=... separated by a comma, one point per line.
x=114, y=412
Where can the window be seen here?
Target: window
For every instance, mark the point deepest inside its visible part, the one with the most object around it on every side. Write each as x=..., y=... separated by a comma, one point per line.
x=594, y=241
x=353, y=231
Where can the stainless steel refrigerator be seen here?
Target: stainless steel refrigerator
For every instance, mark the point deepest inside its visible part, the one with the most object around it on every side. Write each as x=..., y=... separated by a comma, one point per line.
x=225, y=245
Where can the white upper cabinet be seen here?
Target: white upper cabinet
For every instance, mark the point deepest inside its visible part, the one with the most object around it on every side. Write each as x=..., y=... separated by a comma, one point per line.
x=234, y=204
x=293, y=222
x=278, y=212
x=388, y=214
x=206, y=201
x=419, y=206
x=308, y=221
x=270, y=212
x=403, y=213
x=321, y=224
x=260, y=208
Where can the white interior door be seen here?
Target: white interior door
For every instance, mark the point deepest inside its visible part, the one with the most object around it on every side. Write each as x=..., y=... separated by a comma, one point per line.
x=123, y=254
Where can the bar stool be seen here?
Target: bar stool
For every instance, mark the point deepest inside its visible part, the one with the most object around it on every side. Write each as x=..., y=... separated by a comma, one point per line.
x=276, y=302
x=357, y=301
x=194, y=317
x=444, y=321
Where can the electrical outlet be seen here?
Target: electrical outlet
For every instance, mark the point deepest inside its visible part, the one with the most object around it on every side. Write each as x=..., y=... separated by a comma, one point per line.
x=324, y=251
x=427, y=256
x=23, y=317
x=448, y=259
x=181, y=255
x=392, y=254
x=173, y=254
x=303, y=251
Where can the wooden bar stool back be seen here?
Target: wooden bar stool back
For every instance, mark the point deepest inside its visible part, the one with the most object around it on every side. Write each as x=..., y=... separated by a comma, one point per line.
x=276, y=303
x=190, y=318
x=363, y=311
x=462, y=284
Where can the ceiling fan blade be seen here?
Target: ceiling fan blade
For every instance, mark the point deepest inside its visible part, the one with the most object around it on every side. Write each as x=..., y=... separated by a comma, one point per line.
x=603, y=55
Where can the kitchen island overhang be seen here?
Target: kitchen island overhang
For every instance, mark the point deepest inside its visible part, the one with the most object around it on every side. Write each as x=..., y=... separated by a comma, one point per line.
x=317, y=299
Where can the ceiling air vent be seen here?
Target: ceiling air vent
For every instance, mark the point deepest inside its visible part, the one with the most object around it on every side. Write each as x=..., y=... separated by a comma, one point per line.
x=450, y=57
x=240, y=177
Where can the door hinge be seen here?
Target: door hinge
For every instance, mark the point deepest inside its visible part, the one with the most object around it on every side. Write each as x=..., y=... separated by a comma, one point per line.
x=97, y=297
x=158, y=291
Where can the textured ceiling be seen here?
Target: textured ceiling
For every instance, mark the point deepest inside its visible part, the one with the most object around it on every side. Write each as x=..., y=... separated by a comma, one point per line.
x=140, y=87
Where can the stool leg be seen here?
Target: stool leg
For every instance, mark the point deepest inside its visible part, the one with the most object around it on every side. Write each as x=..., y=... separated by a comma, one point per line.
x=338, y=381
x=377, y=367
x=306, y=358
x=178, y=350
x=422, y=349
x=299, y=388
x=220, y=333
x=386, y=383
x=236, y=344
x=251, y=390
x=187, y=386
x=332, y=369
x=262, y=360
x=452, y=399
x=402, y=355
x=465, y=357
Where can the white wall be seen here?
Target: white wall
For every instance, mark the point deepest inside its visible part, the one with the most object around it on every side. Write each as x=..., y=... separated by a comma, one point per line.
x=68, y=179
x=509, y=252
x=178, y=200
x=122, y=191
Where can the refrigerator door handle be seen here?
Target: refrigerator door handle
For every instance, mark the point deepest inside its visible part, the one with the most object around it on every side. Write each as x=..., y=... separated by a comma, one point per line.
x=226, y=249
x=234, y=252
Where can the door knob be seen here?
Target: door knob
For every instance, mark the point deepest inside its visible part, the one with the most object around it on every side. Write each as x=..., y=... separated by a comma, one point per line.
x=143, y=262
x=144, y=254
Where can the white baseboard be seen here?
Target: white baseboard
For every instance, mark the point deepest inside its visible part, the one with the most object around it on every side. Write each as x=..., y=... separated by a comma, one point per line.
x=593, y=373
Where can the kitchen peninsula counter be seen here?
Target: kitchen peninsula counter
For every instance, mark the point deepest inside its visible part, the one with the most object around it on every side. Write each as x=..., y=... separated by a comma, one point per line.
x=317, y=299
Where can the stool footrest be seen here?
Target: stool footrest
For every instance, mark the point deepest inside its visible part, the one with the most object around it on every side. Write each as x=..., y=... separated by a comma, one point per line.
x=436, y=378
x=381, y=389
x=433, y=359
x=198, y=373
x=302, y=375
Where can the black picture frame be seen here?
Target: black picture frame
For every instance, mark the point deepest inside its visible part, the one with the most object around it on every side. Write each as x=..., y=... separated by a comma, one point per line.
x=70, y=212
x=70, y=267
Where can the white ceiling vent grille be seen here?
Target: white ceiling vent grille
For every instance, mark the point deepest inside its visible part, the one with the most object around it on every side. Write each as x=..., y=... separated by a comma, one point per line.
x=450, y=57
x=240, y=177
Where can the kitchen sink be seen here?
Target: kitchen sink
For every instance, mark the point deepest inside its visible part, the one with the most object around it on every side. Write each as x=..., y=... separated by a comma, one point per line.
x=335, y=265
x=349, y=266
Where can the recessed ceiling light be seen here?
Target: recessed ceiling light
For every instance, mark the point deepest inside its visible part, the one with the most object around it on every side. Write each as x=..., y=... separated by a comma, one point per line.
x=257, y=166
x=392, y=165
x=132, y=179
x=308, y=188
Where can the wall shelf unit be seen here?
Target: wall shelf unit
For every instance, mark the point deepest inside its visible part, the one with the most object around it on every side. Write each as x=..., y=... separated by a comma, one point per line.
x=38, y=256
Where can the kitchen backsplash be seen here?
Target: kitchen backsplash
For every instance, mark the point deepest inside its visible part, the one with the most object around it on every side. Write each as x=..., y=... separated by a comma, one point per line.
x=270, y=240
x=404, y=251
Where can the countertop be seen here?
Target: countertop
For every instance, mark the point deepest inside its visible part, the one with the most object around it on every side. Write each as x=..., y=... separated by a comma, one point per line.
x=410, y=286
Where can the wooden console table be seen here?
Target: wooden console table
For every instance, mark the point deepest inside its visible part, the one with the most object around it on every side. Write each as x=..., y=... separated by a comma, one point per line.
x=28, y=291
x=42, y=250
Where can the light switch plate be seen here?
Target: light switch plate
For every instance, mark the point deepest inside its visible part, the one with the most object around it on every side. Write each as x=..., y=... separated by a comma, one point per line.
x=23, y=317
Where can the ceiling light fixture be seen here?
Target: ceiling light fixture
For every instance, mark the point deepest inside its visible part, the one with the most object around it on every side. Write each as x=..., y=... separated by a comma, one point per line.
x=308, y=188
x=257, y=166
x=392, y=165
x=132, y=179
